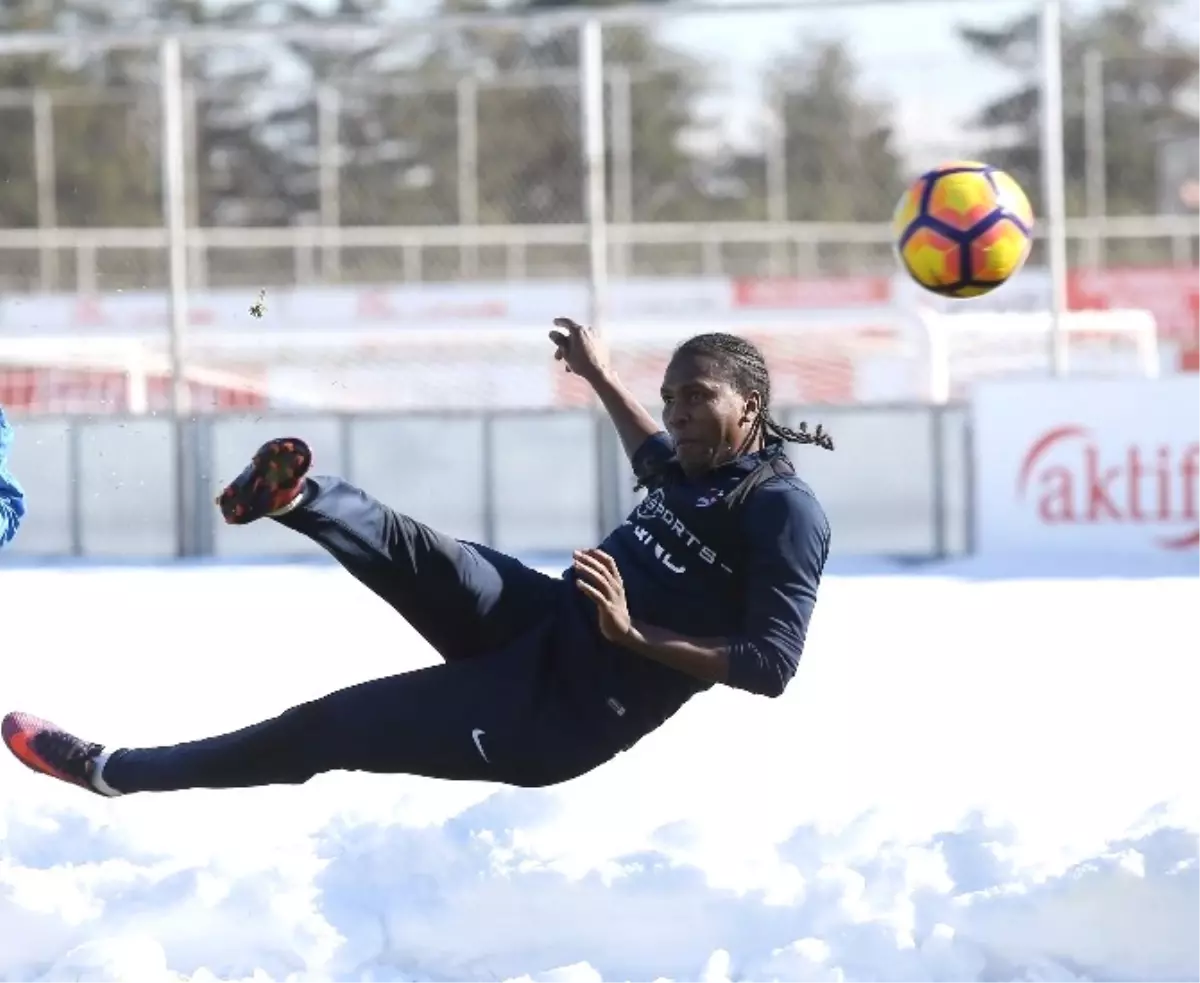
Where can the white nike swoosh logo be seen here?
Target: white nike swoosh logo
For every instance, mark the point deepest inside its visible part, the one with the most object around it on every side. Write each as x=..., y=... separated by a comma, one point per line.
x=475, y=735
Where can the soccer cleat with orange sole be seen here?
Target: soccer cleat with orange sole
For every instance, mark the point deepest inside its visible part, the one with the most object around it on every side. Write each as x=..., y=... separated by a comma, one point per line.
x=271, y=482
x=49, y=750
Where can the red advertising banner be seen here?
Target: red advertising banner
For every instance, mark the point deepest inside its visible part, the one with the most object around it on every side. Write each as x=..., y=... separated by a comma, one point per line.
x=1171, y=294
x=826, y=292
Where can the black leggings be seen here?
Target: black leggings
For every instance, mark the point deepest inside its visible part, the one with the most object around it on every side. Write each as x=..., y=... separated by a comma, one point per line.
x=497, y=710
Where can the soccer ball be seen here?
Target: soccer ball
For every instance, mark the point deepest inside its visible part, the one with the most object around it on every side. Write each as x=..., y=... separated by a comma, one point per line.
x=963, y=229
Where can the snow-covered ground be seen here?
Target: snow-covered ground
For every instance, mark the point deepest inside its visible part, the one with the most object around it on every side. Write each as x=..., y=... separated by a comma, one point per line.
x=970, y=779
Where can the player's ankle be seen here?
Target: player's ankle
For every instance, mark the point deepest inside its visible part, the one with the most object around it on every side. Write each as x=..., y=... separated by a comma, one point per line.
x=294, y=503
x=97, y=775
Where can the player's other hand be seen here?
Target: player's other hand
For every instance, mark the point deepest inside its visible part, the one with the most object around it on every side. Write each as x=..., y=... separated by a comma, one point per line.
x=577, y=346
x=597, y=576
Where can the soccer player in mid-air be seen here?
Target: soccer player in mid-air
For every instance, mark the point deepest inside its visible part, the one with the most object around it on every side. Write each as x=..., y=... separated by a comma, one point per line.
x=12, y=496
x=712, y=579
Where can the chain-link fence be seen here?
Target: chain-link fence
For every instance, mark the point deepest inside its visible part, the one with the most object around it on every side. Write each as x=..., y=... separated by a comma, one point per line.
x=737, y=142
x=328, y=166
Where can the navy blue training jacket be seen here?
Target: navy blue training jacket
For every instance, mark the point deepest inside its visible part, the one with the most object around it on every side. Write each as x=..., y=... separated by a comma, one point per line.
x=696, y=566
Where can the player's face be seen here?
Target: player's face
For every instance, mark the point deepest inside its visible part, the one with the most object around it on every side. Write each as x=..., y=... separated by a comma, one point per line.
x=705, y=416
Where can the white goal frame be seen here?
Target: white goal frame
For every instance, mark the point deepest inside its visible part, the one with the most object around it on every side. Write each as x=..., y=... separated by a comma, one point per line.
x=1089, y=343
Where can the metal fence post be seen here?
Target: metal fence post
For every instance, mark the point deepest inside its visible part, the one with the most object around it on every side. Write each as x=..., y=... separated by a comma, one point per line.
x=971, y=519
x=1054, y=177
x=175, y=219
x=488, y=450
x=938, y=478
x=591, y=88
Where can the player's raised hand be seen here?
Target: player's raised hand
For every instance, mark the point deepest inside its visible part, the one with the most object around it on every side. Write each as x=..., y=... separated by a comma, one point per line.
x=597, y=576
x=577, y=346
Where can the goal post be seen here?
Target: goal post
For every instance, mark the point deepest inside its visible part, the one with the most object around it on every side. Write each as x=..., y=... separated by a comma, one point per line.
x=112, y=376
x=965, y=347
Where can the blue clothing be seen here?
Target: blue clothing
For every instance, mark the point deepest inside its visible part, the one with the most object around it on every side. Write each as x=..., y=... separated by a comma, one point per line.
x=695, y=566
x=500, y=709
x=12, y=496
x=530, y=694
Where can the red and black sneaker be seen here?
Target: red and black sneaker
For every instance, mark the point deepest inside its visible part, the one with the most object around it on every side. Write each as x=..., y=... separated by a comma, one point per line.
x=270, y=484
x=48, y=749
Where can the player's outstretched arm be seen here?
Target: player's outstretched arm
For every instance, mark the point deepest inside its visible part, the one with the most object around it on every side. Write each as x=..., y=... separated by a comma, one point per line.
x=787, y=538
x=12, y=497
x=586, y=356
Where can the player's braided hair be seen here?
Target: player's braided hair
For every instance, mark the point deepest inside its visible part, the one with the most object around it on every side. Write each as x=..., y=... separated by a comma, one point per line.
x=745, y=369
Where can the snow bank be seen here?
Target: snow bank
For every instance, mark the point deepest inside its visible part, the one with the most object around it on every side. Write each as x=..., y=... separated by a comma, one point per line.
x=968, y=781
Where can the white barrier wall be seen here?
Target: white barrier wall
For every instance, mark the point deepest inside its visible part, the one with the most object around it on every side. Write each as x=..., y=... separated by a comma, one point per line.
x=524, y=482
x=442, y=346
x=1087, y=466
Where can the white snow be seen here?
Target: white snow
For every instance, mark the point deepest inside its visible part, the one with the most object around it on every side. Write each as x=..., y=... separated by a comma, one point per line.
x=969, y=779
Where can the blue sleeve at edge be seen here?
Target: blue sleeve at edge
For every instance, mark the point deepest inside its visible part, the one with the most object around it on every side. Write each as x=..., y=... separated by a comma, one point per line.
x=12, y=496
x=789, y=538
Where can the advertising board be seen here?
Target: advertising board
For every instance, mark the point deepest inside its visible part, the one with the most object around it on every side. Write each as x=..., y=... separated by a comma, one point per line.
x=1087, y=465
